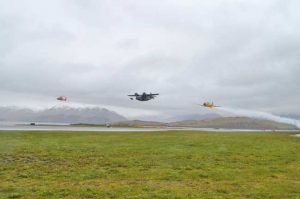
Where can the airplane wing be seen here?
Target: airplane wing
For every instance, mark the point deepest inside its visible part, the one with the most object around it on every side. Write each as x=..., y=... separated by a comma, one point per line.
x=154, y=94
x=133, y=95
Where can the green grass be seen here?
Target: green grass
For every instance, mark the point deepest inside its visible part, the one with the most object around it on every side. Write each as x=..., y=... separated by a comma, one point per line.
x=175, y=164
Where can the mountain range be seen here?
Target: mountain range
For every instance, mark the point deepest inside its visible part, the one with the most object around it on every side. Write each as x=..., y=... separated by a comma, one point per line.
x=63, y=114
x=215, y=123
x=235, y=123
x=95, y=115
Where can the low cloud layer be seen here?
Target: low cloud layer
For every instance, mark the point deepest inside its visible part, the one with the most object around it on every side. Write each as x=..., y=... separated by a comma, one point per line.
x=237, y=53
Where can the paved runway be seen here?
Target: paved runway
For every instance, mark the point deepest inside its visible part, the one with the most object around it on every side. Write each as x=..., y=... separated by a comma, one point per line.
x=23, y=126
x=72, y=128
x=99, y=129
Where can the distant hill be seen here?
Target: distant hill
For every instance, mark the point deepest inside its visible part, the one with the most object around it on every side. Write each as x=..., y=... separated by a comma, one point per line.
x=234, y=123
x=193, y=117
x=61, y=115
x=221, y=122
x=139, y=123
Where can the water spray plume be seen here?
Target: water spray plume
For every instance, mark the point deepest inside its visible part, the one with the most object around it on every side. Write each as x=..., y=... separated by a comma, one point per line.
x=260, y=115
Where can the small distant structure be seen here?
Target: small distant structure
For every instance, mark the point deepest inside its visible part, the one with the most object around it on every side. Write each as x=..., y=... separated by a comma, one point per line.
x=32, y=124
x=108, y=125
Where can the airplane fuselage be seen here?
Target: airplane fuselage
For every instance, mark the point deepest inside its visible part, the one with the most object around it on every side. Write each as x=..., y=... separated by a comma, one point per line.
x=209, y=105
x=144, y=97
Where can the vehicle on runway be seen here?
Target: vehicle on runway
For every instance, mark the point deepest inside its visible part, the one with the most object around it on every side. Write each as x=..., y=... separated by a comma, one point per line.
x=143, y=97
x=62, y=98
x=209, y=105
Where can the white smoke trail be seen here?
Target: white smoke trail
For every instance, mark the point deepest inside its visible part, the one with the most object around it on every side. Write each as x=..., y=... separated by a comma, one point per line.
x=260, y=115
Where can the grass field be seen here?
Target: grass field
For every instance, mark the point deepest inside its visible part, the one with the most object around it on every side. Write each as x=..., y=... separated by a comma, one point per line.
x=175, y=164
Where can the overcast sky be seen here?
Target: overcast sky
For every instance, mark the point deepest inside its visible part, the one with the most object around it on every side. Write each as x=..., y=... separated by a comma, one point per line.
x=238, y=53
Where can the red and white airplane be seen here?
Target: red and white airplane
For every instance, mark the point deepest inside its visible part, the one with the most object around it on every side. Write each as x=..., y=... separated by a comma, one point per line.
x=62, y=98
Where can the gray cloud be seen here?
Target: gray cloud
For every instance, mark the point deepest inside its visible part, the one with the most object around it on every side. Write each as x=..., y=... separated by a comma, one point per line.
x=238, y=53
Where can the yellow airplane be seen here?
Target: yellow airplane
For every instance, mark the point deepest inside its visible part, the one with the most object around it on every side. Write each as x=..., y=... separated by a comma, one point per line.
x=208, y=105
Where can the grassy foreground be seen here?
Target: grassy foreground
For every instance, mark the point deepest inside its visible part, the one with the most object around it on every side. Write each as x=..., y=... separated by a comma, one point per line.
x=175, y=164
